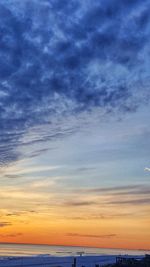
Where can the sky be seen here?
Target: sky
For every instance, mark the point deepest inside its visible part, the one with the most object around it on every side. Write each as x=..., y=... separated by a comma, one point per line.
x=74, y=122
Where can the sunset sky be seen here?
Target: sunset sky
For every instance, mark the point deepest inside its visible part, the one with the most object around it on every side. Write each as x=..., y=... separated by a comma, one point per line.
x=75, y=122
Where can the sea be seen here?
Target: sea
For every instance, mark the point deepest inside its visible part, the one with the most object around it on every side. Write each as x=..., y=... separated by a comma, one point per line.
x=30, y=250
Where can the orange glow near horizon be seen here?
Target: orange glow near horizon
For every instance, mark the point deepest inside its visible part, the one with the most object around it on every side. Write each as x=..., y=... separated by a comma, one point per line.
x=102, y=233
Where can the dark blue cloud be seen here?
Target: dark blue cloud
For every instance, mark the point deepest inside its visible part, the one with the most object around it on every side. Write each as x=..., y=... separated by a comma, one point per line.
x=65, y=57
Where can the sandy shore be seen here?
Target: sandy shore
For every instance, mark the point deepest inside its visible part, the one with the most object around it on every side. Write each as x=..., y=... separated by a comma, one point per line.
x=52, y=261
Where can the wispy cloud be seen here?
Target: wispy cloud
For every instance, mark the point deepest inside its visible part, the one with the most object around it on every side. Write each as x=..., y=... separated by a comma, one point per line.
x=79, y=203
x=112, y=189
x=139, y=201
x=11, y=235
x=119, y=190
x=147, y=169
x=5, y=224
x=91, y=236
x=20, y=213
x=129, y=195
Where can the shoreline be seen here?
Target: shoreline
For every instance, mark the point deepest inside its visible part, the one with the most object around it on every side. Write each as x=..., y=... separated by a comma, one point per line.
x=63, y=261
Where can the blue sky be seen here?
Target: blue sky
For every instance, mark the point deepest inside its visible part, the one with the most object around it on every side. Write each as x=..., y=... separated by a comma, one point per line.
x=74, y=104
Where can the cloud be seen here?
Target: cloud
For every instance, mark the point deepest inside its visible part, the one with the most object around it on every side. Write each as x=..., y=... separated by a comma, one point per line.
x=129, y=195
x=99, y=217
x=79, y=203
x=91, y=236
x=113, y=189
x=20, y=213
x=61, y=58
x=16, y=214
x=11, y=235
x=147, y=169
x=139, y=201
x=5, y=224
x=119, y=190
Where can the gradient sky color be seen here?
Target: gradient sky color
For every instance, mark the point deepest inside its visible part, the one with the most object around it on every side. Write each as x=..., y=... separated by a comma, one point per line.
x=74, y=122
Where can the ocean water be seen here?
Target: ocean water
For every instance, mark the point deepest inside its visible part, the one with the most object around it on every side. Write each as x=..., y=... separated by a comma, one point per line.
x=28, y=250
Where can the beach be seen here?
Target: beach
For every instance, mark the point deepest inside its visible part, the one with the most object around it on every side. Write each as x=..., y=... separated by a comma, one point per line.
x=28, y=255
x=53, y=261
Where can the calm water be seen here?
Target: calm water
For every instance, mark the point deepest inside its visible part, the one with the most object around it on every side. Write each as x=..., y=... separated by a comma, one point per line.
x=25, y=250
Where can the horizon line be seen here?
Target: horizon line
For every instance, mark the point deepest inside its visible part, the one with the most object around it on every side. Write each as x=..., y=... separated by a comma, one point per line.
x=57, y=245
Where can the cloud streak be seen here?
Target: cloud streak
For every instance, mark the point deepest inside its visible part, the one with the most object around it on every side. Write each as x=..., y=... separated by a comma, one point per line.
x=79, y=203
x=129, y=195
x=10, y=235
x=147, y=169
x=5, y=224
x=91, y=236
x=119, y=190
